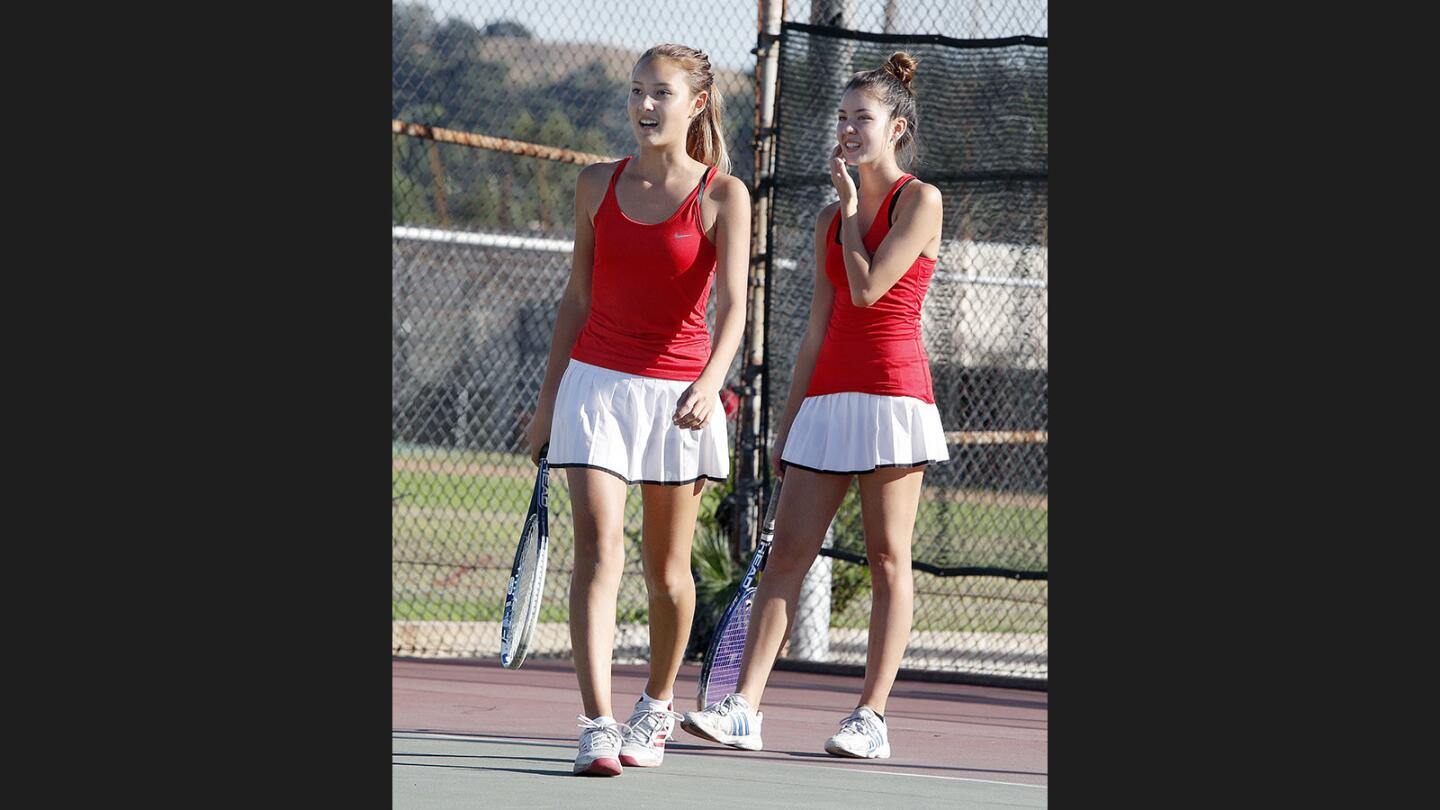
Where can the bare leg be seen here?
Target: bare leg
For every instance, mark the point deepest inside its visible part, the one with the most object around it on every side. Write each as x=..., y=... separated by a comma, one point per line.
x=807, y=503
x=598, y=501
x=889, y=499
x=669, y=529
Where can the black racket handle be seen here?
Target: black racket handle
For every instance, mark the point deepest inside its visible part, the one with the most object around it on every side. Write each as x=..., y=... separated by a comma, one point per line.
x=769, y=526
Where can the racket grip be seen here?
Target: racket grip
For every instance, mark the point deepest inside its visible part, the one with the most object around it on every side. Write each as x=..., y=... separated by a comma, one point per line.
x=769, y=525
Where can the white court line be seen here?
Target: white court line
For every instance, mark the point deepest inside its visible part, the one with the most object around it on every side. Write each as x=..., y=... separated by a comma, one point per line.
x=933, y=776
x=439, y=736
x=436, y=735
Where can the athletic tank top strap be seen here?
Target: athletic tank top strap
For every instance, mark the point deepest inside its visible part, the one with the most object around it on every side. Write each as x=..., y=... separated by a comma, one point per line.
x=610, y=197
x=705, y=180
x=698, y=193
x=895, y=200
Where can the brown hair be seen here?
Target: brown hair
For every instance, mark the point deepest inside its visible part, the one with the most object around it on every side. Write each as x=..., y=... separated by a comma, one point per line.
x=890, y=83
x=704, y=141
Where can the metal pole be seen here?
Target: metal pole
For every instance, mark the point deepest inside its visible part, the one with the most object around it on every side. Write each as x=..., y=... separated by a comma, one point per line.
x=437, y=172
x=831, y=57
x=751, y=461
x=837, y=13
x=892, y=13
x=810, y=640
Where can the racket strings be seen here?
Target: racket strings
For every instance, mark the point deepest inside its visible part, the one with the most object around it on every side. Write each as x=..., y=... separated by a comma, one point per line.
x=529, y=562
x=526, y=588
x=523, y=612
x=728, y=653
x=528, y=595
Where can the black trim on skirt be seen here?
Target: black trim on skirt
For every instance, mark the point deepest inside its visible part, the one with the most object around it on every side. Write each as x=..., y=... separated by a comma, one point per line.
x=554, y=466
x=785, y=463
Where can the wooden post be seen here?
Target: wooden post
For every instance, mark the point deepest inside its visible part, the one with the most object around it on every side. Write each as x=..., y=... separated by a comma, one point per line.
x=438, y=172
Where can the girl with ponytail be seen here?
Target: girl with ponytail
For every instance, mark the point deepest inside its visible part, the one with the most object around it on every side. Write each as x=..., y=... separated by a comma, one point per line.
x=631, y=394
x=861, y=405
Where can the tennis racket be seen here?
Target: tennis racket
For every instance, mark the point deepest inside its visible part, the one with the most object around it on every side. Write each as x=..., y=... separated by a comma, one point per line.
x=527, y=574
x=721, y=671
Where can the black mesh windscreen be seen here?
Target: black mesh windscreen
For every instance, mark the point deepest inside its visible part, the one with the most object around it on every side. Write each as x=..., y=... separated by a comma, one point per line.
x=982, y=137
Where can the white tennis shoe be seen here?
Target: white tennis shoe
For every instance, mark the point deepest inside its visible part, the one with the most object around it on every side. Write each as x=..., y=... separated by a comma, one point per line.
x=645, y=735
x=599, y=748
x=730, y=721
x=862, y=734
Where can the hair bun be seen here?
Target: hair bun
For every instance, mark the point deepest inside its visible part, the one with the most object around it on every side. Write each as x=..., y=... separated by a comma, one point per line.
x=901, y=65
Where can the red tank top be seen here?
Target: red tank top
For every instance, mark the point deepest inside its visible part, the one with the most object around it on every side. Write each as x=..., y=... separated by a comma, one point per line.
x=648, y=291
x=875, y=349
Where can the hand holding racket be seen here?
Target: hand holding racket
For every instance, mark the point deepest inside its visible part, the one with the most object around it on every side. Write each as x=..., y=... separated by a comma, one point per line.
x=537, y=435
x=720, y=673
x=527, y=574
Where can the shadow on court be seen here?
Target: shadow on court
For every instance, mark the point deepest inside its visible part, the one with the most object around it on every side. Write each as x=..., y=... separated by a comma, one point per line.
x=468, y=732
x=565, y=771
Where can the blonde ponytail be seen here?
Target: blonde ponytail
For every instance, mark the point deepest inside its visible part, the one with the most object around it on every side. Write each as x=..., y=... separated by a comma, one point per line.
x=705, y=141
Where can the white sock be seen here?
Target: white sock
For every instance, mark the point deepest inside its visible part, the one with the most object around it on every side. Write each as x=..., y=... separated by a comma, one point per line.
x=651, y=703
x=606, y=720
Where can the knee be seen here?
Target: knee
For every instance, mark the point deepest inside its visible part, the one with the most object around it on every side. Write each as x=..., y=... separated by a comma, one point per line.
x=889, y=570
x=599, y=553
x=671, y=589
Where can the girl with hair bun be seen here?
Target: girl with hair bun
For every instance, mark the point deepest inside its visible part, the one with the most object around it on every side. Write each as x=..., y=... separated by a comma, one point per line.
x=861, y=405
x=631, y=394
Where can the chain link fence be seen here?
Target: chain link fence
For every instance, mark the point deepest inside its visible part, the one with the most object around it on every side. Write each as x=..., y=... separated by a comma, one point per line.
x=496, y=107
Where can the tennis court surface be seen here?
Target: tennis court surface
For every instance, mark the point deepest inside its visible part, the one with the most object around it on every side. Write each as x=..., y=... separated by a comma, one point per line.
x=468, y=734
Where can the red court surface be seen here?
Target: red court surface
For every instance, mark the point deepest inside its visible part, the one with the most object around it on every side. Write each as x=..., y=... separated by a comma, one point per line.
x=951, y=731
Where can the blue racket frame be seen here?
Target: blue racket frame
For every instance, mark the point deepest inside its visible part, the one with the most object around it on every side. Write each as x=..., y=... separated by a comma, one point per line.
x=744, y=598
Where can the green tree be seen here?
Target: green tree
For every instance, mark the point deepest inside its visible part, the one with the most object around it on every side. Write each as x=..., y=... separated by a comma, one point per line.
x=506, y=28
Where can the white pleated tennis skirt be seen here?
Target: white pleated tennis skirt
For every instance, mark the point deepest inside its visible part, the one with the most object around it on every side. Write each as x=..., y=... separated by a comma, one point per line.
x=620, y=423
x=855, y=433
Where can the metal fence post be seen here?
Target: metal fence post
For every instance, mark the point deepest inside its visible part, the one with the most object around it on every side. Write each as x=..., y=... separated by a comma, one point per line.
x=811, y=639
x=753, y=446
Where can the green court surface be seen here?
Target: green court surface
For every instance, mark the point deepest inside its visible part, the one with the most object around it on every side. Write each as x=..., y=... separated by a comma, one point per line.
x=434, y=771
x=472, y=734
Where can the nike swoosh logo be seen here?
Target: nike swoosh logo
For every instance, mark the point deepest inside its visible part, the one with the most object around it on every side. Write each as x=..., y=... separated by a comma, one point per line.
x=681, y=235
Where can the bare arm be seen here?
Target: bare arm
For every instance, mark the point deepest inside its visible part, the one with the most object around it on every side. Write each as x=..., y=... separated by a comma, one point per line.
x=732, y=259
x=574, y=305
x=822, y=300
x=917, y=222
